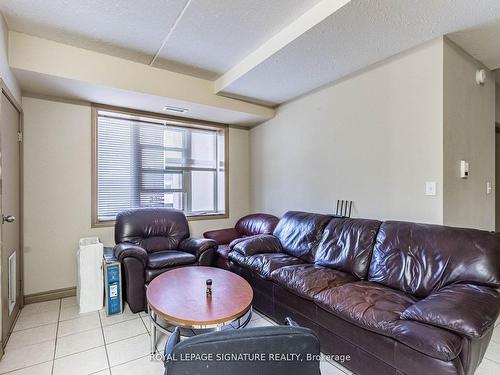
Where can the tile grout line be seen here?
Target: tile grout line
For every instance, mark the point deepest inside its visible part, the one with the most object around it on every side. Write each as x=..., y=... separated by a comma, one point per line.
x=145, y=326
x=41, y=325
x=105, y=345
x=77, y=317
x=55, y=342
x=126, y=338
x=38, y=343
x=259, y=317
x=24, y=368
x=91, y=329
x=123, y=321
x=496, y=364
x=95, y=347
x=98, y=346
x=130, y=360
x=492, y=360
x=81, y=351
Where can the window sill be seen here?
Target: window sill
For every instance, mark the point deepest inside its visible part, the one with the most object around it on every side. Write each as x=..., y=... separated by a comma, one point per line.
x=111, y=223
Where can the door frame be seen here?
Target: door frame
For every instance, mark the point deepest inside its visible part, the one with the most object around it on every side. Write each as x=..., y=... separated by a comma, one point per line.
x=8, y=94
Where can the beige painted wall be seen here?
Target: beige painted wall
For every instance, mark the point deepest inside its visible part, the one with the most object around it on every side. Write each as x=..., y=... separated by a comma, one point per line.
x=497, y=182
x=497, y=102
x=57, y=190
x=374, y=138
x=5, y=72
x=497, y=159
x=469, y=134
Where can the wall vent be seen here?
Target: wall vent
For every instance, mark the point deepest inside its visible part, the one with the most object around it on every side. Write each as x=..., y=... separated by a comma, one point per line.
x=12, y=282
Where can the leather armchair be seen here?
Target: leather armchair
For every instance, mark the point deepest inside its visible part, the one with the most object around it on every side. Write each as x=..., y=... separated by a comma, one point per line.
x=247, y=226
x=150, y=241
x=211, y=353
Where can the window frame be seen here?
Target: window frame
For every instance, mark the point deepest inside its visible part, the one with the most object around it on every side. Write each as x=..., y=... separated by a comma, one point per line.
x=173, y=120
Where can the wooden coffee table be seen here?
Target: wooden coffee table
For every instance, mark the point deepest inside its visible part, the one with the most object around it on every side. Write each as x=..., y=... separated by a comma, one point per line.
x=179, y=298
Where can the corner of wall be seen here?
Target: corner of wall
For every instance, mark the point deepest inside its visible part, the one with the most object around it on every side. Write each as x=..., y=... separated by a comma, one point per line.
x=469, y=134
x=5, y=72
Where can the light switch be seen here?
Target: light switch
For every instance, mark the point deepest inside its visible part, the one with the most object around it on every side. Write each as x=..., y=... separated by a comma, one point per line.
x=489, y=187
x=464, y=169
x=430, y=188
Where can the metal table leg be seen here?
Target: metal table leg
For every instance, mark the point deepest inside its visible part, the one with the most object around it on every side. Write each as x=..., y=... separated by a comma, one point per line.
x=152, y=320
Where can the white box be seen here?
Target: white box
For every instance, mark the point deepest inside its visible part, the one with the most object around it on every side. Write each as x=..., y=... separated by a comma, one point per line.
x=89, y=289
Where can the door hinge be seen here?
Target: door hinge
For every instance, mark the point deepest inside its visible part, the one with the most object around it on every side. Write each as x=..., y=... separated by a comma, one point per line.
x=20, y=136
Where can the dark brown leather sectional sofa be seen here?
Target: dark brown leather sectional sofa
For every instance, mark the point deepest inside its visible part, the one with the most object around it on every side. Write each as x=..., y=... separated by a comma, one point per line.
x=397, y=297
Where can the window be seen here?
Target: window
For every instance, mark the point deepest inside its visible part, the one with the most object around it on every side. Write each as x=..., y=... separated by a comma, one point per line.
x=157, y=162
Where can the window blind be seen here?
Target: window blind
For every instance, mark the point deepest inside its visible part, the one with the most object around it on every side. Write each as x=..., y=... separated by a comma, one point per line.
x=147, y=163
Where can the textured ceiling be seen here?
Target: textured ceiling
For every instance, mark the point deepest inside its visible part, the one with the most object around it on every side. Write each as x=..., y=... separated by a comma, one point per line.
x=206, y=38
x=216, y=34
x=361, y=33
x=482, y=42
x=132, y=29
x=210, y=37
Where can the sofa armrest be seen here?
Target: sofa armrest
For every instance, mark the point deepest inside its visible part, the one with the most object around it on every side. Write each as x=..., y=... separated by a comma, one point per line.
x=258, y=244
x=222, y=236
x=467, y=309
x=126, y=249
x=197, y=246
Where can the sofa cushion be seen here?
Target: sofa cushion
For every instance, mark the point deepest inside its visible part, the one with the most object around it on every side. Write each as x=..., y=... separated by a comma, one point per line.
x=378, y=308
x=169, y=258
x=421, y=258
x=264, y=264
x=435, y=342
x=347, y=245
x=257, y=244
x=307, y=280
x=366, y=304
x=223, y=251
x=300, y=233
x=151, y=273
x=256, y=224
x=470, y=310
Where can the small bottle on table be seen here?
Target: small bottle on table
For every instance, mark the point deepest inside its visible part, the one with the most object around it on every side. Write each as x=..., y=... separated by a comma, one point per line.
x=209, y=287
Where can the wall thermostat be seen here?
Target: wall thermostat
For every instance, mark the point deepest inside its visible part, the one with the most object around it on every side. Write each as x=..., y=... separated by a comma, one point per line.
x=464, y=169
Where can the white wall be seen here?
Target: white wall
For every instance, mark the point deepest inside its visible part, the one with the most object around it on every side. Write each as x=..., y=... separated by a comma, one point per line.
x=57, y=190
x=469, y=134
x=374, y=138
x=5, y=72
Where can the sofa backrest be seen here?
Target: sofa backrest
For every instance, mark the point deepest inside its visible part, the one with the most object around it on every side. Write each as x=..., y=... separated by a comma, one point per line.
x=347, y=245
x=421, y=258
x=253, y=224
x=154, y=229
x=300, y=233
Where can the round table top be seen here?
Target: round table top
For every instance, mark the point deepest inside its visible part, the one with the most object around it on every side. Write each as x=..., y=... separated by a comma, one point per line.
x=179, y=296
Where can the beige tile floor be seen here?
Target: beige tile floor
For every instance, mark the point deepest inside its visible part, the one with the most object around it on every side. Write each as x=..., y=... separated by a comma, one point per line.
x=53, y=338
